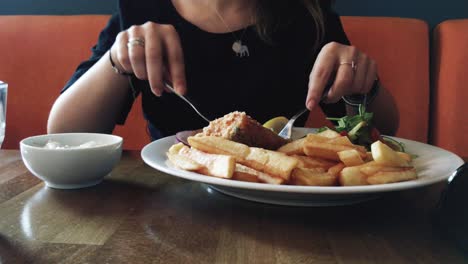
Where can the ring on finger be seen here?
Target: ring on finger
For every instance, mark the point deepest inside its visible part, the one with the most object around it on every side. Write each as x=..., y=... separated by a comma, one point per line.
x=352, y=63
x=135, y=42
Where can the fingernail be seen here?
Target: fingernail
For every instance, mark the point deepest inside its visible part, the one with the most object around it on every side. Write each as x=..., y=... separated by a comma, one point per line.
x=180, y=88
x=157, y=92
x=310, y=104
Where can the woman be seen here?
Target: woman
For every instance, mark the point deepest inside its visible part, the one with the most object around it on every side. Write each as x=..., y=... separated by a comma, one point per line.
x=264, y=57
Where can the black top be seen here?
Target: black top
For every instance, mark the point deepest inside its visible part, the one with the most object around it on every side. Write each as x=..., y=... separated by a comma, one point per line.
x=271, y=81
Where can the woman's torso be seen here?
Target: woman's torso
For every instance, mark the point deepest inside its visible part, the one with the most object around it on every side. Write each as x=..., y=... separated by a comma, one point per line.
x=271, y=81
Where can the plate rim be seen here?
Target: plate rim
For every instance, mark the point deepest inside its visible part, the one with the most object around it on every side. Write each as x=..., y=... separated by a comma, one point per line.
x=196, y=177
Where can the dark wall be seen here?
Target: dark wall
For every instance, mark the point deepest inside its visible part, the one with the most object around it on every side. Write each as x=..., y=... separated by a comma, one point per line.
x=46, y=7
x=432, y=11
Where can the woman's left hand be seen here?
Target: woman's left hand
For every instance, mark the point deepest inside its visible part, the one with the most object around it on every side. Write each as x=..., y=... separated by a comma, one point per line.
x=353, y=72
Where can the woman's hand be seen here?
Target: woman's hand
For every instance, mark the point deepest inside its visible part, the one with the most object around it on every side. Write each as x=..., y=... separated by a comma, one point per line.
x=353, y=72
x=152, y=52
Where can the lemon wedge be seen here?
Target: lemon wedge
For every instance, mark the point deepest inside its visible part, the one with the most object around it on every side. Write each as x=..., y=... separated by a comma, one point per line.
x=276, y=124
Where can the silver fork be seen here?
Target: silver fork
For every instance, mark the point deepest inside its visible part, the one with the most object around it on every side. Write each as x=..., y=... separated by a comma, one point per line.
x=286, y=132
x=287, y=129
x=187, y=101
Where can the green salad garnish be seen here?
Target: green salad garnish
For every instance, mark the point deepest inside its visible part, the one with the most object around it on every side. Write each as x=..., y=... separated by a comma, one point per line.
x=360, y=130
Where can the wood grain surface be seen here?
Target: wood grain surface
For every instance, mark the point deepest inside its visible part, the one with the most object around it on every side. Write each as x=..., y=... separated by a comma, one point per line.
x=140, y=215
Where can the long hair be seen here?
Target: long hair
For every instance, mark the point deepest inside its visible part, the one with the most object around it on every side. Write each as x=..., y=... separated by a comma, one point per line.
x=273, y=15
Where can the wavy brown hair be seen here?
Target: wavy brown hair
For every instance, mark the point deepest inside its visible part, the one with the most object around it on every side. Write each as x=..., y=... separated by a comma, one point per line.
x=272, y=15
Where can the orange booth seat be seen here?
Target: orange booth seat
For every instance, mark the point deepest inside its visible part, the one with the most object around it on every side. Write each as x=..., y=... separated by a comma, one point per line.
x=400, y=47
x=39, y=53
x=450, y=79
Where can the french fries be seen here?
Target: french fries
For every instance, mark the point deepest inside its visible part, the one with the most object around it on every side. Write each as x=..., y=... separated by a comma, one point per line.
x=375, y=173
x=335, y=170
x=244, y=173
x=221, y=166
x=218, y=145
x=317, y=176
x=350, y=157
x=184, y=162
x=324, y=159
x=328, y=148
x=312, y=177
x=352, y=176
x=384, y=155
x=344, y=140
x=295, y=147
x=383, y=177
x=270, y=162
x=311, y=162
x=324, y=150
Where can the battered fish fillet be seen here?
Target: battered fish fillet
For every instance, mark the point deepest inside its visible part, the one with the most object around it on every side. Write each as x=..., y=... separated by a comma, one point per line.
x=239, y=127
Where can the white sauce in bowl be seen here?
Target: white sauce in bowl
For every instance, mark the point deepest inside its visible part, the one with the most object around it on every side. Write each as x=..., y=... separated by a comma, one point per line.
x=57, y=145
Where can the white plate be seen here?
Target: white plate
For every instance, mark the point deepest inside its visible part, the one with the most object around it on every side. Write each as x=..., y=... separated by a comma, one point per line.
x=433, y=165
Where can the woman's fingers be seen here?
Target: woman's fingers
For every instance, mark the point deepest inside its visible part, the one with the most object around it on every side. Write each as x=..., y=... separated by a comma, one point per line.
x=355, y=73
x=347, y=58
x=136, y=52
x=152, y=52
x=360, y=74
x=121, y=52
x=175, y=59
x=320, y=75
x=154, y=58
x=343, y=80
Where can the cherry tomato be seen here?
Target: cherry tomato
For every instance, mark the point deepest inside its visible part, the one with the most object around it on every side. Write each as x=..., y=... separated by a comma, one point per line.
x=344, y=133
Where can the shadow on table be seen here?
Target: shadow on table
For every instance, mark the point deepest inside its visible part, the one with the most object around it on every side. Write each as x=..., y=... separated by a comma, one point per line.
x=9, y=252
x=212, y=218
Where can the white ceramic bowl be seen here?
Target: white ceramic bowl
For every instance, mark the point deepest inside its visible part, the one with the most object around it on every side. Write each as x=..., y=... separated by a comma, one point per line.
x=71, y=167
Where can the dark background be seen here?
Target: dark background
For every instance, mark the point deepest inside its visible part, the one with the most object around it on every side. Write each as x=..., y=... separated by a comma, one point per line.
x=433, y=11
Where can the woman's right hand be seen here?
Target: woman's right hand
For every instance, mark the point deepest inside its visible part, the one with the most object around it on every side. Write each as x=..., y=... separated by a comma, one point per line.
x=152, y=52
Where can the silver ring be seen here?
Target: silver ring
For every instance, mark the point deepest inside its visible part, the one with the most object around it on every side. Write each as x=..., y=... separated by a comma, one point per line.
x=135, y=42
x=352, y=64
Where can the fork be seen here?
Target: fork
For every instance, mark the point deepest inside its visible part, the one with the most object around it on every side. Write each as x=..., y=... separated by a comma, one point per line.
x=287, y=129
x=168, y=86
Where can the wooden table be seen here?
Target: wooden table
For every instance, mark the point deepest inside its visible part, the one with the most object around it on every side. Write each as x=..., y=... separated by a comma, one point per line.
x=139, y=215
